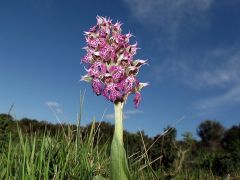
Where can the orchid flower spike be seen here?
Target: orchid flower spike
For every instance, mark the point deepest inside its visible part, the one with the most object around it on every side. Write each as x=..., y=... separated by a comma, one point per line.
x=111, y=69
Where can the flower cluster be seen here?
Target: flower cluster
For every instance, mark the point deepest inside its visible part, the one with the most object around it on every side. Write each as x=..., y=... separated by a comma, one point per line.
x=110, y=65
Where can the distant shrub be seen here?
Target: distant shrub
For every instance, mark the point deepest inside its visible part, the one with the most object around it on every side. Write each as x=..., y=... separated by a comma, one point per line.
x=223, y=164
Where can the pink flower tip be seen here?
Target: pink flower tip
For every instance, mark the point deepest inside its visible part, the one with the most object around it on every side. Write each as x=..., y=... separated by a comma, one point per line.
x=137, y=99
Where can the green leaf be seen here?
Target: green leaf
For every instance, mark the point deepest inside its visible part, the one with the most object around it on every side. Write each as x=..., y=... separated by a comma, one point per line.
x=119, y=165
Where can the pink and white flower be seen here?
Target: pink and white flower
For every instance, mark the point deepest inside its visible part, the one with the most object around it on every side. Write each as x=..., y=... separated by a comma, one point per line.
x=117, y=72
x=111, y=69
x=97, y=86
x=97, y=69
x=112, y=92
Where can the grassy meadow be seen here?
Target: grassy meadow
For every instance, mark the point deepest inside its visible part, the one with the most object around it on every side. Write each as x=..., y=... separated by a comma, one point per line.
x=32, y=149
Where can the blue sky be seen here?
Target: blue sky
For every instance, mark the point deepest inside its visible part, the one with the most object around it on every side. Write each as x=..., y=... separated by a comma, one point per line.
x=193, y=48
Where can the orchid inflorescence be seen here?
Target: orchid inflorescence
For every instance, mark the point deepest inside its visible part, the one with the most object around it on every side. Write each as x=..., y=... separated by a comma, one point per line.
x=110, y=65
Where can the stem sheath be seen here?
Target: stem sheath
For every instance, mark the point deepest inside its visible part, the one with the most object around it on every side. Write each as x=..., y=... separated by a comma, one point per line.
x=119, y=165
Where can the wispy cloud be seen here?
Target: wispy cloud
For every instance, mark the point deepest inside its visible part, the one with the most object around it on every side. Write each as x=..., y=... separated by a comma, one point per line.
x=225, y=69
x=217, y=69
x=126, y=115
x=229, y=97
x=54, y=106
x=109, y=116
x=168, y=13
x=224, y=75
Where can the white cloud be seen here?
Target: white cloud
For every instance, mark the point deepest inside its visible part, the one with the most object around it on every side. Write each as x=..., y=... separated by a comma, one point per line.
x=126, y=115
x=59, y=110
x=109, y=116
x=225, y=70
x=168, y=13
x=223, y=75
x=133, y=112
x=231, y=96
x=52, y=104
x=218, y=69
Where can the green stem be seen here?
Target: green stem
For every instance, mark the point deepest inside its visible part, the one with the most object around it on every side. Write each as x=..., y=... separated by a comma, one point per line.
x=118, y=132
x=119, y=165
